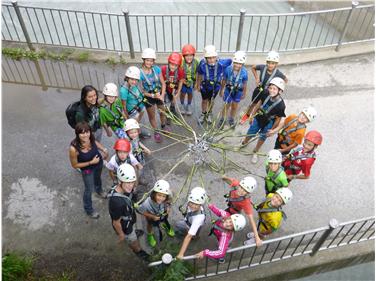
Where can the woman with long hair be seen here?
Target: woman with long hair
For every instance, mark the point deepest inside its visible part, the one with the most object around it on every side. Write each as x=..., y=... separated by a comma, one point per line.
x=88, y=111
x=87, y=154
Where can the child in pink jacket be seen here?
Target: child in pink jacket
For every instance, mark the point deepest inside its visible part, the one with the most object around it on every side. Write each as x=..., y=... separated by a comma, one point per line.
x=223, y=229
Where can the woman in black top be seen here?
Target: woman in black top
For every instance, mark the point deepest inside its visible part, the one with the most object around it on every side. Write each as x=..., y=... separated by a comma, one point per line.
x=84, y=153
x=88, y=111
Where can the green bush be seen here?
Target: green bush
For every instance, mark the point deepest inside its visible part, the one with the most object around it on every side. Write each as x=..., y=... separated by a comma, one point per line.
x=15, y=267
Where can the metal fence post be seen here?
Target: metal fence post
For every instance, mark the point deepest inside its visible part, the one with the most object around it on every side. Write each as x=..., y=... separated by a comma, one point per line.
x=22, y=23
x=333, y=223
x=129, y=32
x=240, y=29
x=354, y=4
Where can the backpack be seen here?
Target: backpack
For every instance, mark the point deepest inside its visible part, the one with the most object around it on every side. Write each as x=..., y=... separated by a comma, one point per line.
x=71, y=111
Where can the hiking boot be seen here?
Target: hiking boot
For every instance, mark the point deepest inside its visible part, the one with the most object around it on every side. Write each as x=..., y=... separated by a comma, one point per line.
x=201, y=119
x=157, y=137
x=254, y=158
x=231, y=122
x=188, y=109
x=244, y=119
x=170, y=231
x=220, y=123
x=94, y=215
x=143, y=255
x=151, y=240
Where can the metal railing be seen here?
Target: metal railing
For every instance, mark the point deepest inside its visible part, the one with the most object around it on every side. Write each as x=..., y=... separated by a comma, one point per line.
x=304, y=243
x=131, y=33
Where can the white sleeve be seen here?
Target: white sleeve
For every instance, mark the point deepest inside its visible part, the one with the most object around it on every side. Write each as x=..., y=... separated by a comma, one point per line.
x=133, y=159
x=112, y=165
x=197, y=222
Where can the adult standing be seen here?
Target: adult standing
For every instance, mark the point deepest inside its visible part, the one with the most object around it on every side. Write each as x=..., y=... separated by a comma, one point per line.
x=88, y=111
x=122, y=211
x=84, y=153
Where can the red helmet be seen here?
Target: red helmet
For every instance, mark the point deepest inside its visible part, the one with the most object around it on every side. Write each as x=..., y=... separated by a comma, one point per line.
x=188, y=50
x=175, y=58
x=123, y=145
x=314, y=136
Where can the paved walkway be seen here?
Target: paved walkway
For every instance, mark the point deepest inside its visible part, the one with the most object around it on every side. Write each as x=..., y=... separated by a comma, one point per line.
x=42, y=205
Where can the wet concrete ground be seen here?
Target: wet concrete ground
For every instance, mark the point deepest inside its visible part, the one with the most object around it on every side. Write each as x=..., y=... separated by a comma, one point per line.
x=42, y=205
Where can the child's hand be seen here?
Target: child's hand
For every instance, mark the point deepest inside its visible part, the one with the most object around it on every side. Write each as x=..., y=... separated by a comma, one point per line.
x=147, y=151
x=139, y=166
x=258, y=242
x=156, y=218
x=270, y=133
x=95, y=160
x=200, y=255
x=179, y=257
x=257, y=81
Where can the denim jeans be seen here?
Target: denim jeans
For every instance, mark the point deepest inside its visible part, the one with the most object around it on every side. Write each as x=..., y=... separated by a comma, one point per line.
x=254, y=128
x=92, y=181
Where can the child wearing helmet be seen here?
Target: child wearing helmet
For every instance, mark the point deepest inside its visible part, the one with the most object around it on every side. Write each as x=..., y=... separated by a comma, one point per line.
x=275, y=175
x=269, y=110
x=131, y=96
x=238, y=199
x=234, y=87
x=190, y=66
x=111, y=115
x=123, y=154
x=270, y=213
x=132, y=128
x=210, y=75
x=291, y=131
x=223, y=229
x=153, y=87
x=299, y=161
x=156, y=209
x=122, y=211
x=173, y=76
x=194, y=218
x=267, y=72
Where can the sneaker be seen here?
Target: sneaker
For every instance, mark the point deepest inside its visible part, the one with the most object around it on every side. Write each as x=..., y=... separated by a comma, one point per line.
x=78, y=170
x=102, y=195
x=151, y=240
x=94, y=215
x=209, y=118
x=139, y=232
x=188, y=109
x=250, y=241
x=220, y=123
x=183, y=109
x=157, y=137
x=169, y=230
x=221, y=260
x=231, y=122
x=143, y=255
x=145, y=133
x=201, y=119
x=244, y=118
x=250, y=235
x=254, y=158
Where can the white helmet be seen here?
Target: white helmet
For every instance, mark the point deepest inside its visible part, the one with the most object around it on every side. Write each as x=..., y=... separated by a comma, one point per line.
x=131, y=124
x=197, y=195
x=126, y=173
x=310, y=113
x=249, y=184
x=210, y=51
x=239, y=222
x=110, y=89
x=133, y=72
x=273, y=56
x=285, y=194
x=148, y=53
x=274, y=156
x=279, y=82
x=239, y=57
x=162, y=186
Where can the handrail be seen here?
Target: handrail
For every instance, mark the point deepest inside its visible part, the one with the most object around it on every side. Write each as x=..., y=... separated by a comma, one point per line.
x=328, y=233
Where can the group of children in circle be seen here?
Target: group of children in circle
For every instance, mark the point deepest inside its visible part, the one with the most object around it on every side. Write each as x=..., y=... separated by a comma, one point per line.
x=152, y=87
